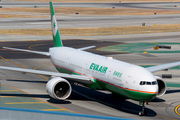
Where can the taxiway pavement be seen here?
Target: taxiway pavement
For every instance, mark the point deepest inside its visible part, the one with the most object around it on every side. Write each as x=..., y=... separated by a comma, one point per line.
x=77, y=21
x=150, y=5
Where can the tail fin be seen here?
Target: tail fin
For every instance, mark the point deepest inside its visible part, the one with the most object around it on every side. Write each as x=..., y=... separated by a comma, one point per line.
x=55, y=30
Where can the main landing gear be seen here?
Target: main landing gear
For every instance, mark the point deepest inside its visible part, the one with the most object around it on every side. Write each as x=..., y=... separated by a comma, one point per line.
x=143, y=112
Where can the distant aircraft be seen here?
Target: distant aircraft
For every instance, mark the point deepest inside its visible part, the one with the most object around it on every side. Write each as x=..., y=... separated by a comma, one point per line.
x=96, y=72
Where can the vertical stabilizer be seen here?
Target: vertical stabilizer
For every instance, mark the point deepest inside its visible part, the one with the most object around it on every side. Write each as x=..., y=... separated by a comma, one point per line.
x=55, y=30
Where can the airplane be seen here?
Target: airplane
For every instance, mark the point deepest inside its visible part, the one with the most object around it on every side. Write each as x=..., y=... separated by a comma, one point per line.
x=96, y=72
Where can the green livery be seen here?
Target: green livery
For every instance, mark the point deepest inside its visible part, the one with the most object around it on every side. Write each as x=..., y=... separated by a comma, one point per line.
x=117, y=74
x=55, y=30
x=98, y=68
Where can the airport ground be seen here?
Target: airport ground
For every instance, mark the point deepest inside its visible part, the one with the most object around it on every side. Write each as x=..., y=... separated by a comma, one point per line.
x=28, y=91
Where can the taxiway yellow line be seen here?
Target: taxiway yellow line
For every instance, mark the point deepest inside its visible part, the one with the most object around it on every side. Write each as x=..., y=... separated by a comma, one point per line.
x=53, y=109
x=29, y=95
x=35, y=45
x=24, y=103
x=145, y=52
x=41, y=100
x=40, y=67
x=177, y=109
x=12, y=62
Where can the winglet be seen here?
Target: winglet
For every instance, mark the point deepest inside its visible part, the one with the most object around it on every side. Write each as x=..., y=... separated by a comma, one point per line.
x=55, y=30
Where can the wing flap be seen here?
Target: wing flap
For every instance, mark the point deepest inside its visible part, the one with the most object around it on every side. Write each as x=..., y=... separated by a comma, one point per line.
x=162, y=67
x=75, y=78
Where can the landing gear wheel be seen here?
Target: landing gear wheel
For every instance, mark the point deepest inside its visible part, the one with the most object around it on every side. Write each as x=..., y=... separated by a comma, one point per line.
x=141, y=113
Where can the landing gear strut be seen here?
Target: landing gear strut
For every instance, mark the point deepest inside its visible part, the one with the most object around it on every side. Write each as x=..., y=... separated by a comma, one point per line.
x=143, y=112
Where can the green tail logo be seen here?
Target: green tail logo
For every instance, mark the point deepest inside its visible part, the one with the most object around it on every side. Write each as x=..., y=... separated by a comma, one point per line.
x=55, y=30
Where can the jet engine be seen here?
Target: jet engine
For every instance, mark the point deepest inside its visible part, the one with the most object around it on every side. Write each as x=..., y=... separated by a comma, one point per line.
x=161, y=86
x=59, y=88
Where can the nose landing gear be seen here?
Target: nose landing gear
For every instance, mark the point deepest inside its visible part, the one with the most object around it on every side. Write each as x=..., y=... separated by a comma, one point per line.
x=142, y=112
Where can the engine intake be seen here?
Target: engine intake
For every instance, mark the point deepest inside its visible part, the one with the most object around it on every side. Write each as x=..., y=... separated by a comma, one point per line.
x=59, y=88
x=161, y=86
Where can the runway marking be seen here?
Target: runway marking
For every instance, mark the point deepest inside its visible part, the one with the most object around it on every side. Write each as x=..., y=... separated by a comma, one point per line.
x=53, y=109
x=24, y=103
x=166, y=117
x=176, y=110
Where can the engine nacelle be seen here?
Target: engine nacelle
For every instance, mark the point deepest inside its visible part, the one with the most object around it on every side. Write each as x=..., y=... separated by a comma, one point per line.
x=161, y=86
x=58, y=88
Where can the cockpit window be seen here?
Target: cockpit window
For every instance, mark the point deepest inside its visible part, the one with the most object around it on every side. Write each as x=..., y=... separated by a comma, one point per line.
x=148, y=83
x=142, y=83
x=154, y=82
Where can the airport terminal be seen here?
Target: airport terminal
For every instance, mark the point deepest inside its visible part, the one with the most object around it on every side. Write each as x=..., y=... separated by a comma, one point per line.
x=80, y=59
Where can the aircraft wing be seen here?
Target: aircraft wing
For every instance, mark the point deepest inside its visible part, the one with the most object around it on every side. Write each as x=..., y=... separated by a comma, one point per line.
x=71, y=77
x=163, y=67
x=30, y=51
x=85, y=48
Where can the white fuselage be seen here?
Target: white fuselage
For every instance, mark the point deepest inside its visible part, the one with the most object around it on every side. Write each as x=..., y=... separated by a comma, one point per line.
x=105, y=69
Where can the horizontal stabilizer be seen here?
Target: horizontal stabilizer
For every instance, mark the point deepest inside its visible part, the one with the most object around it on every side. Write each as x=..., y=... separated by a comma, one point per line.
x=30, y=51
x=85, y=48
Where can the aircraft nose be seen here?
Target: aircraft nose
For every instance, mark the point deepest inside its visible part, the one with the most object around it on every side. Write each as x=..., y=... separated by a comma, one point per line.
x=148, y=91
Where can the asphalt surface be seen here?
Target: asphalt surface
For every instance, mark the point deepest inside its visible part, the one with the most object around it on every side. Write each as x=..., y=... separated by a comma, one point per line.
x=76, y=21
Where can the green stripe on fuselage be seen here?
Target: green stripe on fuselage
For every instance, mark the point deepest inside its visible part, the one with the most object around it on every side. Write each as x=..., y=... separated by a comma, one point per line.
x=98, y=84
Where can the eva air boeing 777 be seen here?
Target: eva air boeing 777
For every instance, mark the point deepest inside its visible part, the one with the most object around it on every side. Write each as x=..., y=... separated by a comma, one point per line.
x=96, y=72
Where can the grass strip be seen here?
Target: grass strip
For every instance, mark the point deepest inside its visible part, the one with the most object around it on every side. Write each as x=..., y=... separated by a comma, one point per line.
x=97, y=31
